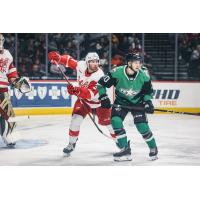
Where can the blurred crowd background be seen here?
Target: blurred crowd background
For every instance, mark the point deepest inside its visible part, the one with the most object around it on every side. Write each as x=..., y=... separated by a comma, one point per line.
x=167, y=56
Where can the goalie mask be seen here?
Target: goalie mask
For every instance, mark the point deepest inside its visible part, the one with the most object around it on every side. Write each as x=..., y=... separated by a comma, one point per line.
x=2, y=40
x=92, y=61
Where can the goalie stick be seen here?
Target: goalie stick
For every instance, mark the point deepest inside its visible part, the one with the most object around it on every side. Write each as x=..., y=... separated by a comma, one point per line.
x=84, y=104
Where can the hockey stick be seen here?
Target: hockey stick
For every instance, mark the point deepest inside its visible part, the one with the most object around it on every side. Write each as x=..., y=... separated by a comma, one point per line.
x=85, y=106
x=177, y=112
x=161, y=110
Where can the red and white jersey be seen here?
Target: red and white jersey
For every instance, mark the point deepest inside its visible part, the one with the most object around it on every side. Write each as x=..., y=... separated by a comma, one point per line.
x=7, y=69
x=87, y=82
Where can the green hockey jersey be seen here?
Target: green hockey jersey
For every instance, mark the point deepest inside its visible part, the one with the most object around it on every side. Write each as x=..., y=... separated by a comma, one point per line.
x=129, y=90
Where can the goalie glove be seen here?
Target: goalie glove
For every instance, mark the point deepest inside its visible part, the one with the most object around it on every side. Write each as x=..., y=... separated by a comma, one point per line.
x=22, y=84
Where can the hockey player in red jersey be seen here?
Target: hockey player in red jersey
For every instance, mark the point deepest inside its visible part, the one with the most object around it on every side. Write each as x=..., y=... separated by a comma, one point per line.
x=88, y=74
x=8, y=76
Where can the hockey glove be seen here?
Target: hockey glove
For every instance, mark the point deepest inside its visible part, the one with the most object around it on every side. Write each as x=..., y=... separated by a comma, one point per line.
x=148, y=107
x=73, y=90
x=54, y=57
x=105, y=101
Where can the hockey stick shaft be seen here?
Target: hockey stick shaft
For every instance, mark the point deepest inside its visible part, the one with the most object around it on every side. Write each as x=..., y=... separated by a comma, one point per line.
x=160, y=110
x=177, y=112
x=85, y=106
x=136, y=108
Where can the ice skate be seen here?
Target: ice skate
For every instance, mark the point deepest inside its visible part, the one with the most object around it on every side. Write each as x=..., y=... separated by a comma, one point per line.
x=153, y=154
x=69, y=148
x=124, y=154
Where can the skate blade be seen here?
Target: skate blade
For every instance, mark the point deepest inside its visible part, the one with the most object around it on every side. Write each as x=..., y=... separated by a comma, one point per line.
x=66, y=154
x=123, y=158
x=152, y=158
x=10, y=146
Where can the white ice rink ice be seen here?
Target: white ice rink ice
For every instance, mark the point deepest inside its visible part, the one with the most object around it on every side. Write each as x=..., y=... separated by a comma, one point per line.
x=41, y=139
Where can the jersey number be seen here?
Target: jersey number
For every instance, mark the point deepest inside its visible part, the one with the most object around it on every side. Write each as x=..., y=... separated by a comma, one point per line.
x=106, y=79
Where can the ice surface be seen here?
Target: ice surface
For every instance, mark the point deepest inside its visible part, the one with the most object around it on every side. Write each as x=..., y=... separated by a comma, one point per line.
x=41, y=139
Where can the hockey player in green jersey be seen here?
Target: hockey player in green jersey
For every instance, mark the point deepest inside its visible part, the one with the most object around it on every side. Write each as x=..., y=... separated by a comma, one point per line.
x=132, y=88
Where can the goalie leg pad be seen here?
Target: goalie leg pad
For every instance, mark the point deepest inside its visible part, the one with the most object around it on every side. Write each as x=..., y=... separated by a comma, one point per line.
x=6, y=128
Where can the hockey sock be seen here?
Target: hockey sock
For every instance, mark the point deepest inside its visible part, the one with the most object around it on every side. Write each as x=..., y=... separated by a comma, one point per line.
x=73, y=136
x=120, y=133
x=146, y=133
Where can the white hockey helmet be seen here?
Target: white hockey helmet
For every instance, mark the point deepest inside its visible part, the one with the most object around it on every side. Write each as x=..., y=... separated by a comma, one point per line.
x=91, y=56
x=2, y=40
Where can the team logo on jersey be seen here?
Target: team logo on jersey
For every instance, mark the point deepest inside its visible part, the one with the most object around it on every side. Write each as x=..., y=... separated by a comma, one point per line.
x=42, y=92
x=128, y=92
x=64, y=93
x=83, y=84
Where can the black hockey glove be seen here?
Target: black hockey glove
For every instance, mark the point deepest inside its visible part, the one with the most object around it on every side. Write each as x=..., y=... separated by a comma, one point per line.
x=105, y=101
x=148, y=107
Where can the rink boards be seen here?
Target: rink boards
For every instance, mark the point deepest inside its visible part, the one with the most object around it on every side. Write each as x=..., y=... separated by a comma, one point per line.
x=51, y=97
